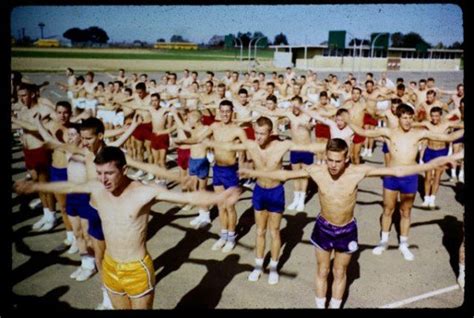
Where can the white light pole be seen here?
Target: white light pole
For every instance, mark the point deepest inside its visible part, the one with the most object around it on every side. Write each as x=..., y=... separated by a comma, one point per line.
x=353, y=50
x=255, y=46
x=250, y=51
x=372, y=48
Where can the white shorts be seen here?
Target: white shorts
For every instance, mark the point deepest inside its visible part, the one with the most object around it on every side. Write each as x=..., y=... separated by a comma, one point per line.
x=118, y=119
x=313, y=98
x=107, y=116
x=284, y=104
x=79, y=103
x=383, y=104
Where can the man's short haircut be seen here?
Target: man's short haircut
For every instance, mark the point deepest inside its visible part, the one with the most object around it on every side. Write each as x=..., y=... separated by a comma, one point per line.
x=101, y=83
x=119, y=83
x=347, y=83
x=90, y=73
x=121, y=69
x=145, y=75
x=430, y=79
x=265, y=121
x=459, y=85
x=111, y=154
x=369, y=82
x=404, y=109
x=243, y=91
x=337, y=145
x=341, y=111
x=194, y=72
x=153, y=81
x=70, y=70
x=94, y=124
x=129, y=90
x=186, y=70
x=195, y=83
x=271, y=84
x=256, y=81
x=323, y=94
x=396, y=101
x=370, y=74
x=234, y=72
x=210, y=73
x=64, y=104
x=400, y=79
x=141, y=86
x=226, y=102
x=157, y=95
x=357, y=89
x=280, y=76
x=210, y=82
x=273, y=98
x=221, y=85
x=261, y=73
x=413, y=82
x=401, y=86
x=422, y=81
x=298, y=98
x=28, y=87
x=431, y=92
x=75, y=126
x=436, y=109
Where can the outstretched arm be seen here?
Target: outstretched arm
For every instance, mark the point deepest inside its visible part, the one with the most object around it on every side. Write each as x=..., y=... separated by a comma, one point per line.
x=229, y=146
x=281, y=175
x=204, y=198
x=153, y=169
x=442, y=137
x=313, y=147
x=119, y=142
x=401, y=171
x=55, y=187
x=374, y=133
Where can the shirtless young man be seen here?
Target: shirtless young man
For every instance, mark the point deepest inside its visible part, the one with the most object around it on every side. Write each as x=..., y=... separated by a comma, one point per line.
x=124, y=207
x=335, y=227
x=434, y=150
x=300, y=134
x=268, y=195
x=224, y=171
x=403, y=145
x=370, y=95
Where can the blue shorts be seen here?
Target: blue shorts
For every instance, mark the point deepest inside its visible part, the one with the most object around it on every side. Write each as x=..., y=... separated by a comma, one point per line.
x=77, y=204
x=406, y=185
x=57, y=174
x=305, y=157
x=225, y=176
x=385, y=148
x=431, y=154
x=272, y=200
x=199, y=167
x=327, y=236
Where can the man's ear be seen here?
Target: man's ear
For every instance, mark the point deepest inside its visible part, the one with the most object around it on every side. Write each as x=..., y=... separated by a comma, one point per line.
x=100, y=136
x=125, y=170
x=347, y=158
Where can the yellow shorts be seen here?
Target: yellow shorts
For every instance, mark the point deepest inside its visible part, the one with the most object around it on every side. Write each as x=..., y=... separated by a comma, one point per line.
x=134, y=279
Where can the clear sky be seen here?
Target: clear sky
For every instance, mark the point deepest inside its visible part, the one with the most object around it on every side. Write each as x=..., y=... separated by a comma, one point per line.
x=301, y=23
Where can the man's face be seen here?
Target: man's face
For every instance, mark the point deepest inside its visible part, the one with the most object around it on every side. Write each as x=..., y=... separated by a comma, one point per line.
x=121, y=73
x=141, y=93
x=208, y=88
x=235, y=77
x=323, y=100
x=116, y=87
x=430, y=84
x=110, y=175
x=296, y=89
x=221, y=91
x=256, y=86
x=89, y=78
x=341, y=124
x=226, y=114
x=243, y=99
x=369, y=87
x=262, y=133
x=155, y=102
x=26, y=97
x=348, y=87
x=143, y=79
x=270, y=89
x=435, y=118
x=430, y=98
x=422, y=86
x=460, y=90
x=270, y=104
x=296, y=108
x=90, y=140
x=336, y=162
x=400, y=92
x=73, y=137
x=405, y=121
x=186, y=73
x=62, y=115
x=172, y=80
x=261, y=77
x=355, y=95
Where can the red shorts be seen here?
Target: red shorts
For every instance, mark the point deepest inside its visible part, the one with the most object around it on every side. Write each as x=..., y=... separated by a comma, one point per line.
x=454, y=118
x=249, y=132
x=322, y=131
x=183, y=157
x=421, y=115
x=38, y=159
x=142, y=132
x=369, y=120
x=357, y=139
x=207, y=120
x=160, y=141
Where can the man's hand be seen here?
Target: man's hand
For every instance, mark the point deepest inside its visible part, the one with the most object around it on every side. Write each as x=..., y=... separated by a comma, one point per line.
x=24, y=186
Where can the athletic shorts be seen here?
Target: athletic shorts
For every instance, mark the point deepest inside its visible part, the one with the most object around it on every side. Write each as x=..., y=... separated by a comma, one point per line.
x=118, y=119
x=134, y=279
x=369, y=120
x=77, y=204
x=57, y=174
x=357, y=139
x=249, y=132
x=385, y=148
x=207, y=120
x=272, y=199
x=322, y=131
x=183, y=158
x=199, y=167
x=225, y=176
x=159, y=141
x=406, y=185
x=431, y=154
x=38, y=159
x=305, y=157
x=142, y=132
x=327, y=236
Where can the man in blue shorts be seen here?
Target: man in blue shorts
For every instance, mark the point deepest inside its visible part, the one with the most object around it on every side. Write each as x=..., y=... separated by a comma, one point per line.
x=336, y=228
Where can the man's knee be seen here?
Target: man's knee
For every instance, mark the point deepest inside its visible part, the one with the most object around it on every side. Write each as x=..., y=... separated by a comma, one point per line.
x=405, y=212
x=339, y=272
x=261, y=232
x=323, y=271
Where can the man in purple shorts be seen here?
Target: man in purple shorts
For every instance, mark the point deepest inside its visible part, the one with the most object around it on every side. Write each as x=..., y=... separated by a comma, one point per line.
x=336, y=227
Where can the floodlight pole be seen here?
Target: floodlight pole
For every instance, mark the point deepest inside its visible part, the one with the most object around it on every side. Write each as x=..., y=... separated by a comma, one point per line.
x=353, y=50
x=250, y=51
x=372, y=48
x=255, y=46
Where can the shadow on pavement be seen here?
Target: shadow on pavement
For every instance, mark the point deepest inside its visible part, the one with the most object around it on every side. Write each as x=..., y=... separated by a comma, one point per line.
x=47, y=302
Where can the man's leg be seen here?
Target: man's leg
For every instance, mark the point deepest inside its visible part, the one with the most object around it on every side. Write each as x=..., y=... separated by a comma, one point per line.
x=339, y=270
x=406, y=203
x=389, y=202
x=223, y=220
x=428, y=184
x=144, y=302
x=436, y=180
x=297, y=188
x=120, y=301
x=356, y=153
x=261, y=218
x=323, y=260
x=274, y=224
x=149, y=157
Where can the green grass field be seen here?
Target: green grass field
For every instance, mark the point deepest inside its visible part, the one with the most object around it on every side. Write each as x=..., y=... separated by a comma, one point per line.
x=216, y=55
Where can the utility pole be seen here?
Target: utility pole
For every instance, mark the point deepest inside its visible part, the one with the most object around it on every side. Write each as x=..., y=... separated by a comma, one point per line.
x=41, y=25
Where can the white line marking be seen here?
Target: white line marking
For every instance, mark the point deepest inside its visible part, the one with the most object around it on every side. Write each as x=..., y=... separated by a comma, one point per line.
x=54, y=93
x=420, y=297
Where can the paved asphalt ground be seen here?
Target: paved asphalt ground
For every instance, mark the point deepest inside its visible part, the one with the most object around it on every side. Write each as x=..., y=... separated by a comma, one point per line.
x=191, y=275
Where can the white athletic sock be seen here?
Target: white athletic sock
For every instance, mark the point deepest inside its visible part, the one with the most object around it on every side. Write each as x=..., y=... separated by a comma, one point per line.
x=335, y=303
x=273, y=265
x=70, y=236
x=48, y=214
x=297, y=196
x=302, y=197
x=384, y=237
x=404, y=249
x=320, y=302
x=273, y=277
x=224, y=235
x=453, y=172
x=231, y=236
x=461, y=268
x=257, y=271
x=403, y=240
x=87, y=261
x=432, y=199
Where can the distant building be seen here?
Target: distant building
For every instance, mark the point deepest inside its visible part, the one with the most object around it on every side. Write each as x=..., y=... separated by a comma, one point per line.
x=46, y=43
x=176, y=46
x=320, y=57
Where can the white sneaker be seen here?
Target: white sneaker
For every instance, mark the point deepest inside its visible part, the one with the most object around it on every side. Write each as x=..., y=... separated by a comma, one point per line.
x=85, y=274
x=249, y=184
x=48, y=225
x=255, y=275
x=229, y=246
x=300, y=206
x=432, y=203
x=406, y=252
x=461, y=176
x=137, y=174
x=76, y=272
x=218, y=244
x=210, y=157
x=461, y=280
x=426, y=203
x=273, y=277
x=35, y=203
x=363, y=153
x=39, y=223
x=73, y=249
x=196, y=220
x=453, y=179
x=68, y=242
x=203, y=222
x=369, y=153
x=149, y=177
x=293, y=205
x=378, y=250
